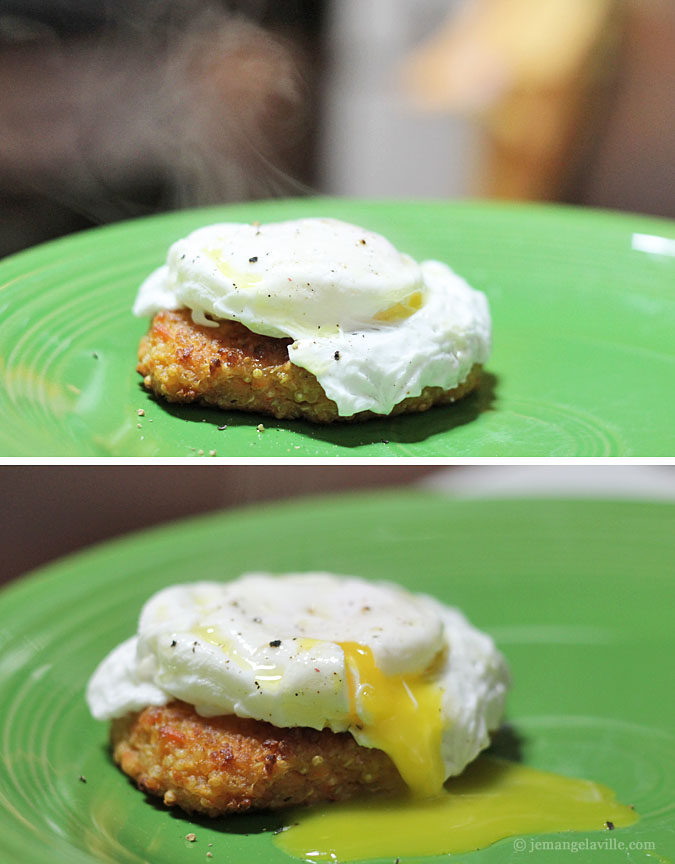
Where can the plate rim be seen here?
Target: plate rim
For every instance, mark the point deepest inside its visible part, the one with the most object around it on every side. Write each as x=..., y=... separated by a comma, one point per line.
x=551, y=209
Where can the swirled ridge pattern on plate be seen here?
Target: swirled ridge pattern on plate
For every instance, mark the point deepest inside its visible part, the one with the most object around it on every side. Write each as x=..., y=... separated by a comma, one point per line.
x=582, y=323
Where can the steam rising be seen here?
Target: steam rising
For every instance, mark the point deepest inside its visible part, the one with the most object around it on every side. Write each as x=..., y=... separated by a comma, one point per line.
x=165, y=106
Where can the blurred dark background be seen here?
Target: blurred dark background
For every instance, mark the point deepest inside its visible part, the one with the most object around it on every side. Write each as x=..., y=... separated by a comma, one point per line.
x=112, y=109
x=52, y=510
x=123, y=108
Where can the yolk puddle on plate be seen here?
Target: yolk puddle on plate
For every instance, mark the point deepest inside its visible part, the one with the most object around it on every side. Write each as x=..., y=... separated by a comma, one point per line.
x=491, y=800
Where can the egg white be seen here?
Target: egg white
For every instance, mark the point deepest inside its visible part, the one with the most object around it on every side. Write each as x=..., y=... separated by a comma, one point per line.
x=371, y=324
x=268, y=647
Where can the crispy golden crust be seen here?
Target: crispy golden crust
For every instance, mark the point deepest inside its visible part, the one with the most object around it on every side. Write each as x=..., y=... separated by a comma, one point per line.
x=220, y=765
x=231, y=367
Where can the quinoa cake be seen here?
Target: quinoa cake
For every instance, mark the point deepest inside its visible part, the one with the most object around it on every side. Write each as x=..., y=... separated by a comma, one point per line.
x=226, y=764
x=231, y=367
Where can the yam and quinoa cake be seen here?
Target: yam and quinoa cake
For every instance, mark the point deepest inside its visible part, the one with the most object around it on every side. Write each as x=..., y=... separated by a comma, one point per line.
x=311, y=318
x=271, y=691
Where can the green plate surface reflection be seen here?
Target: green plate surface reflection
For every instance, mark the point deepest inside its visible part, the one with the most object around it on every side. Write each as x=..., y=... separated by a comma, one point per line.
x=578, y=595
x=583, y=323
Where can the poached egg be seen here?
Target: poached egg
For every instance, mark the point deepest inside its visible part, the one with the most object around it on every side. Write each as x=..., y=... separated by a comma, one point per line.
x=370, y=323
x=400, y=672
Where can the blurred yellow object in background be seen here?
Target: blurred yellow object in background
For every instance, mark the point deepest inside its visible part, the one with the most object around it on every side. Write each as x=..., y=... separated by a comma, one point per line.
x=533, y=72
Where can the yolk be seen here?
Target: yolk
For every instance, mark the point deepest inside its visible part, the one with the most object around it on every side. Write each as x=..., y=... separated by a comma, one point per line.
x=491, y=800
x=402, y=310
x=398, y=714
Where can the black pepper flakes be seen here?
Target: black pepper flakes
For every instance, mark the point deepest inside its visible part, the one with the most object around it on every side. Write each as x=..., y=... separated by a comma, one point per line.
x=173, y=643
x=253, y=259
x=610, y=825
x=337, y=355
x=275, y=643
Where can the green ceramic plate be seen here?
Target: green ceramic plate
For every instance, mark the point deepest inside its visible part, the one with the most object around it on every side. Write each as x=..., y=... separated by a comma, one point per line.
x=578, y=595
x=583, y=340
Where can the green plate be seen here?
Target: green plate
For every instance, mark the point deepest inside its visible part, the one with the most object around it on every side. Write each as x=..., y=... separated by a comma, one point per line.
x=582, y=364
x=579, y=596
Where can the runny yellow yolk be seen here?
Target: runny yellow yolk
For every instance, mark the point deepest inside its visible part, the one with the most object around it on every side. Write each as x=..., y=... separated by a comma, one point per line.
x=398, y=714
x=491, y=800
